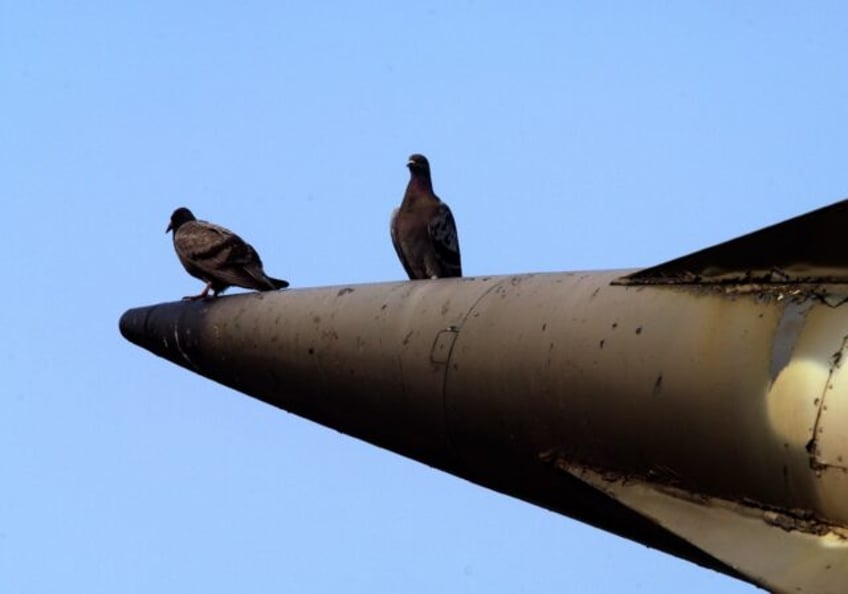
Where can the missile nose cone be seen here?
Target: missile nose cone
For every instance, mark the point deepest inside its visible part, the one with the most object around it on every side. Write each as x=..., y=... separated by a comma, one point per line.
x=170, y=330
x=365, y=360
x=153, y=327
x=133, y=325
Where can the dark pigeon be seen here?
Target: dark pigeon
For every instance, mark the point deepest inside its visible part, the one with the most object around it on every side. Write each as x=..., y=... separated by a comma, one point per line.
x=423, y=229
x=217, y=256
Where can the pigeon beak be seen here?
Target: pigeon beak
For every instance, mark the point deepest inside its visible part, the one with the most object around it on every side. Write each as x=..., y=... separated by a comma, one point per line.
x=170, y=226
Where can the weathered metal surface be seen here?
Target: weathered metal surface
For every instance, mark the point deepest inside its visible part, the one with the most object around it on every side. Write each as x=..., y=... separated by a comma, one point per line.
x=700, y=407
x=504, y=380
x=783, y=552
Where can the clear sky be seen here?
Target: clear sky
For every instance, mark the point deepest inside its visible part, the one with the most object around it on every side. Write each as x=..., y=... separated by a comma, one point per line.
x=564, y=135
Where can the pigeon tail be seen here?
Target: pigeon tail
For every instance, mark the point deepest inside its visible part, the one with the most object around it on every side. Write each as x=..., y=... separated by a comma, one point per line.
x=278, y=283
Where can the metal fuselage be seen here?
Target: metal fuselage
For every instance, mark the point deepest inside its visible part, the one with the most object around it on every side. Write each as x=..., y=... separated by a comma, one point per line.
x=699, y=413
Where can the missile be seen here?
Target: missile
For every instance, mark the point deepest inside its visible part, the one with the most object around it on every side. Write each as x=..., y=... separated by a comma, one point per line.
x=699, y=406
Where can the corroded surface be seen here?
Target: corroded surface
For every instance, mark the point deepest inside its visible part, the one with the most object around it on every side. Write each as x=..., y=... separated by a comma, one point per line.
x=721, y=393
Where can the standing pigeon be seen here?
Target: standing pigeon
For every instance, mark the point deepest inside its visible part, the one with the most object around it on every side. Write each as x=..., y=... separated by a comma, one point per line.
x=217, y=256
x=423, y=229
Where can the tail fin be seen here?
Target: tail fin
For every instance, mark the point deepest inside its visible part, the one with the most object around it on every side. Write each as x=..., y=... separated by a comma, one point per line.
x=804, y=249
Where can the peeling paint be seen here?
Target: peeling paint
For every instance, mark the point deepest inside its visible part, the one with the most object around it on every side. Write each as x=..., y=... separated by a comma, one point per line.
x=829, y=446
x=658, y=385
x=786, y=335
x=180, y=349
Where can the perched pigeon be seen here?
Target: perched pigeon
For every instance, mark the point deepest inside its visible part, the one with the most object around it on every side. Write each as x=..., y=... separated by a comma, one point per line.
x=423, y=229
x=217, y=256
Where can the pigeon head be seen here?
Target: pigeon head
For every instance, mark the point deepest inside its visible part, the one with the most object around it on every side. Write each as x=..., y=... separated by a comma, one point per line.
x=418, y=164
x=178, y=218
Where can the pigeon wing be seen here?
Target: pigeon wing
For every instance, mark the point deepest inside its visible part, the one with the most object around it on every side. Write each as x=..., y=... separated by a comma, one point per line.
x=217, y=253
x=445, y=240
x=242, y=266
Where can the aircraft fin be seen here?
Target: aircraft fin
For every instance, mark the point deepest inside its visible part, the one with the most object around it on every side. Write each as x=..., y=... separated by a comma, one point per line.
x=810, y=248
x=775, y=549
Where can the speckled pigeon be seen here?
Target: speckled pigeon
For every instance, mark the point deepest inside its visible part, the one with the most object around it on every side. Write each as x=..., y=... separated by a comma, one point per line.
x=217, y=256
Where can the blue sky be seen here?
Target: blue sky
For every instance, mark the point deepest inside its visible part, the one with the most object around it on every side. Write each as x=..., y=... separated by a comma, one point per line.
x=565, y=136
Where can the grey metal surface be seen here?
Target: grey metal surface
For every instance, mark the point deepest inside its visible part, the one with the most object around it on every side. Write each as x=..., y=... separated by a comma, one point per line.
x=507, y=381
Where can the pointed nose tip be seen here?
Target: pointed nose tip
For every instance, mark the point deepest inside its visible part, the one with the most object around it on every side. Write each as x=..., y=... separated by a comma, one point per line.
x=156, y=327
x=132, y=324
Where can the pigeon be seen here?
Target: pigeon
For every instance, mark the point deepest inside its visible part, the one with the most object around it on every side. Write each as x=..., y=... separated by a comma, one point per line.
x=217, y=256
x=422, y=228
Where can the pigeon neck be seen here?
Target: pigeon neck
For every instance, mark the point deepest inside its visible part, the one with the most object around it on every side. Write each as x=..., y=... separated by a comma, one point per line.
x=419, y=186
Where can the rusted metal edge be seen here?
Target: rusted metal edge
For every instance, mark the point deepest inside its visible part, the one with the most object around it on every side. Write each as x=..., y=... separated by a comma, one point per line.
x=805, y=249
x=789, y=519
x=781, y=550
